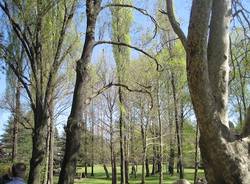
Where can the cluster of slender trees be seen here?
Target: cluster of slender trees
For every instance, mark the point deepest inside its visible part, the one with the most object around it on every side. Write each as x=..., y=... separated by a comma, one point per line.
x=43, y=52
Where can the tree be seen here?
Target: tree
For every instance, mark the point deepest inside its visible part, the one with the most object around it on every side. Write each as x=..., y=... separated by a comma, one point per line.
x=121, y=22
x=40, y=78
x=208, y=72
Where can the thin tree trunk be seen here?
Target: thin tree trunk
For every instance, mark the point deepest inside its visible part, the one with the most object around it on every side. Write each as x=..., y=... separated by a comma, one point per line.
x=51, y=146
x=143, y=151
x=196, y=162
x=126, y=159
x=147, y=166
x=154, y=155
x=106, y=171
x=92, y=141
x=179, y=163
x=121, y=123
x=45, y=179
x=160, y=137
x=113, y=161
x=16, y=121
x=86, y=170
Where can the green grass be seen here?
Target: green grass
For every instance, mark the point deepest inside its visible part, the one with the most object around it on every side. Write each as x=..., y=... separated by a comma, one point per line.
x=100, y=178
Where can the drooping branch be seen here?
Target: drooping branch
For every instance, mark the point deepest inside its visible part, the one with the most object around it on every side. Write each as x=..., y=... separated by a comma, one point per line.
x=17, y=28
x=174, y=23
x=26, y=43
x=140, y=10
x=6, y=55
x=158, y=66
x=57, y=60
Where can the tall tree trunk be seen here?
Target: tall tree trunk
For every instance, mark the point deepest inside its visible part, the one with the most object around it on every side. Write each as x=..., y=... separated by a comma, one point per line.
x=147, y=166
x=126, y=156
x=45, y=179
x=112, y=151
x=38, y=144
x=114, y=177
x=225, y=157
x=160, y=168
x=154, y=154
x=92, y=140
x=121, y=124
x=113, y=164
x=16, y=122
x=74, y=124
x=51, y=145
x=177, y=125
x=196, y=162
x=144, y=149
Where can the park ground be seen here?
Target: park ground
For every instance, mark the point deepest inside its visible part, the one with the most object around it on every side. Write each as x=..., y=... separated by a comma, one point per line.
x=100, y=178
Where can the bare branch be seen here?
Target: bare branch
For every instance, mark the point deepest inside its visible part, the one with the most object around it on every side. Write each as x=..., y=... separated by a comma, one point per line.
x=104, y=88
x=158, y=66
x=16, y=27
x=174, y=23
x=141, y=10
x=20, y=77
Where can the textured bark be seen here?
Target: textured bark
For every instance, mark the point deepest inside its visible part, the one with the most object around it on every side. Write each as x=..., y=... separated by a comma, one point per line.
x=246, y=127
x=218, y=54
x=38, y=151
x=225, y=159
x=45, y=179
x=74, y=124
x=225, y=156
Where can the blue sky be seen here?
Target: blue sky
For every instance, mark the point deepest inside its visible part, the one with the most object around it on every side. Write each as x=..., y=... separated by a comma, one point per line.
x=182, y=11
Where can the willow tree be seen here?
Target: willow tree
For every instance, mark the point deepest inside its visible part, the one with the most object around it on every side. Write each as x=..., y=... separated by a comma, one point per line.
x=121, y=23
x=39, y=77
x=225, y=156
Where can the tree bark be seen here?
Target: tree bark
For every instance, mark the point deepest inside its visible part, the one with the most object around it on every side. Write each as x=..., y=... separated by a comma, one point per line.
x=51, y=146
x=147, y=166
x=16, y=121
x=121, y=124
x=160, y=168
x=177, y=126
x=38, y=151
x=196, y=162
x=74, y=124
x=225, y=157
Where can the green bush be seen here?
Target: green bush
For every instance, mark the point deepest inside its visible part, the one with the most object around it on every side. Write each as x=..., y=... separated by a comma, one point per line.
x=4, y=168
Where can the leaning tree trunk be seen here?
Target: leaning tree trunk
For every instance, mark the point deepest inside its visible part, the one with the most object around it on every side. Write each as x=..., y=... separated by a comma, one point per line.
x=74, y=124
x=225, y=157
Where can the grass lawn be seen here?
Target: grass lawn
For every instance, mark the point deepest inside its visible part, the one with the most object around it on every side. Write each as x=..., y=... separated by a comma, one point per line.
x=100, y=177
